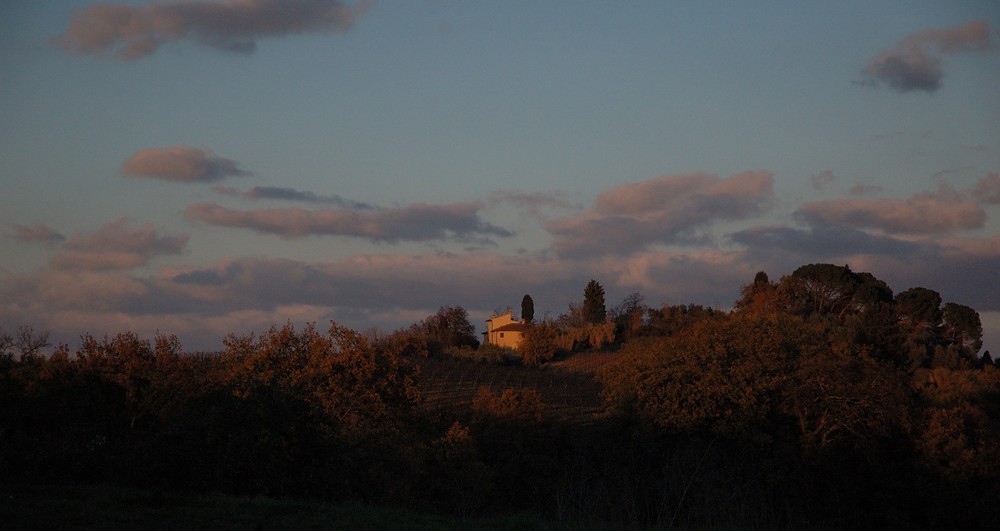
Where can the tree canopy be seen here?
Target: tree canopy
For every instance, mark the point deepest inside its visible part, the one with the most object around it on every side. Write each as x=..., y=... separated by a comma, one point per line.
x=594, y=310
x=449, y=327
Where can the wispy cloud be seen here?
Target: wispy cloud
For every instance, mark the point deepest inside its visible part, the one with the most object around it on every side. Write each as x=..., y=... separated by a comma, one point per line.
x=925, y=213
x=181, y=164
x=291, y=194
x=914, y=63
x=821, y=244
x=116, y=246
x=665, y=209
x=133, y=32
x=417, y=222
x=37, y=233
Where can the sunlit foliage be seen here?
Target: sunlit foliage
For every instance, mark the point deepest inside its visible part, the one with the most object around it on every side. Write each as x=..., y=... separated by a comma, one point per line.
x=821, y=401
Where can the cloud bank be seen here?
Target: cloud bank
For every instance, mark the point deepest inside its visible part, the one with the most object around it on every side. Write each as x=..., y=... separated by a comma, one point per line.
x=116, y=246
x=914, y=63
x=133, y=32
x=97, y=282
x=938, y=212
x=181, y=164
x=418, y=222
x=665, y=209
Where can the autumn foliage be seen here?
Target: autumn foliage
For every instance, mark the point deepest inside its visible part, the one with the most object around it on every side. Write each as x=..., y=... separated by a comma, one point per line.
x=823, y=400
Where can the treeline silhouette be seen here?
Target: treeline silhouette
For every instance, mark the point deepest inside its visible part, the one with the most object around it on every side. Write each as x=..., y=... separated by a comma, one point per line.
x=822, y=401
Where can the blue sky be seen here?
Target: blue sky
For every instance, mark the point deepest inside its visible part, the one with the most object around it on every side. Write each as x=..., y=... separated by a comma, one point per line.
x=201, y=168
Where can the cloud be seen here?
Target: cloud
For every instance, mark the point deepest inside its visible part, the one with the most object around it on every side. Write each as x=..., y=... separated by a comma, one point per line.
x=925, y=213
x=418, y=222
x=665, y=209
x=203, y=303
x=988, y=190
x=914, y=65
x=291, y=194
x=374, y=282
x=133, y=32
x=702, y=276
x=181, y=164
x=116, y=246
x=822, y=244
x=38, y=233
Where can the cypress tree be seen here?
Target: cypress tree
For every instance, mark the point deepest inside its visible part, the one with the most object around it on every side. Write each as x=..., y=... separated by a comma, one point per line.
x=594, y=310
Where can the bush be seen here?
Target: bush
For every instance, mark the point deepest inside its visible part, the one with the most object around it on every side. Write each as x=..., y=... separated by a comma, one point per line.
x=539, y=344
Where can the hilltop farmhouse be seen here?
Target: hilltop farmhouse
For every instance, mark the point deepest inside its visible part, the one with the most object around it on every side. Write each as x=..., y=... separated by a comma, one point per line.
x=504, y=331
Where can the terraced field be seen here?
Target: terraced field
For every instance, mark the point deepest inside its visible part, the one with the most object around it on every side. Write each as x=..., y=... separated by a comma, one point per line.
x=569, y=392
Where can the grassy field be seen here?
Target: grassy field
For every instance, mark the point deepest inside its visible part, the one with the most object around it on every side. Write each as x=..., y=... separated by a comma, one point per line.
x=100, y=507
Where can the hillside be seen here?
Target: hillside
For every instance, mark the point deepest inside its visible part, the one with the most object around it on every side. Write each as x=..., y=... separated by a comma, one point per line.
x=568, y=390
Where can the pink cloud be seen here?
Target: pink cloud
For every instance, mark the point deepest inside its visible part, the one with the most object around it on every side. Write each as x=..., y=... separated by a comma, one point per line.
x=988, y=189
x=974, y=35
x=133, y=32
x=416, y=222
x=925, y=213
x=37, y=233
x=116, y=246
x=181, y=164
x=665, y=209
x=912, y=64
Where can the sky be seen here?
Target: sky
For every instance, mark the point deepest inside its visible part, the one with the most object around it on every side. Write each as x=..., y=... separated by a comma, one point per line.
x=201, y=168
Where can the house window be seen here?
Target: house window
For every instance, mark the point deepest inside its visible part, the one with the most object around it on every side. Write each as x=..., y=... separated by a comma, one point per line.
x=501, y=334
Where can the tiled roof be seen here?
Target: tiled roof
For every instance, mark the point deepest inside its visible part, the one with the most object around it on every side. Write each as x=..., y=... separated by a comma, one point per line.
x=512, y=327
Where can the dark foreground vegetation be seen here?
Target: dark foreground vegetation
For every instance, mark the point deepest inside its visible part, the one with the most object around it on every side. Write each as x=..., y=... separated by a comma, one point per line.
x=102, y=506
x=822, y=401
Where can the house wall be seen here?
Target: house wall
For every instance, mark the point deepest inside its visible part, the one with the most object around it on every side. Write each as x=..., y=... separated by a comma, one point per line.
x=507, y=338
